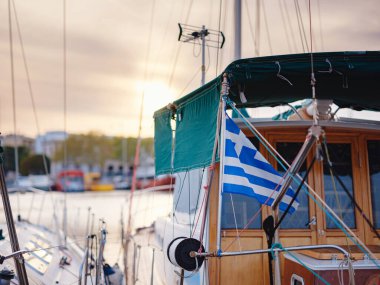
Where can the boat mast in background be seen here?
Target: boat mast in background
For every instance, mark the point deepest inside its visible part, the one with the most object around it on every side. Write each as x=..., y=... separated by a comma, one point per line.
x=19, y=261
x=237, y=29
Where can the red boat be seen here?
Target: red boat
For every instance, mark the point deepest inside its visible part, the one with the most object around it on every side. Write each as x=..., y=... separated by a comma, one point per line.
x=70, y=181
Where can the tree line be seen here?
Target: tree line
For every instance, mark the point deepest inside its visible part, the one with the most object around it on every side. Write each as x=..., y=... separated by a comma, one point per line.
x=92, y=149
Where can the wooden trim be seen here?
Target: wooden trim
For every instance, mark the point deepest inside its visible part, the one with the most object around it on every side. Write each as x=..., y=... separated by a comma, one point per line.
x=370, y=237
x=225, y=271
x=356, y=183
x=214, y=263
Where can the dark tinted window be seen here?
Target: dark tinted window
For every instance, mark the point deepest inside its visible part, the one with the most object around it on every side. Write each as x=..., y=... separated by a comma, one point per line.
x=239, y=211
x=300, y=218
x=335, y=196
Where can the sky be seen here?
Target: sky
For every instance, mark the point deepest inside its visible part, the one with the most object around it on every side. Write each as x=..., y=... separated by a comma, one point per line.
x=118, y=50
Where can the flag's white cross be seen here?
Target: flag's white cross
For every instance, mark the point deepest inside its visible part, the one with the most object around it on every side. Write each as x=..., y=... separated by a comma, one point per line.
x=239, y=141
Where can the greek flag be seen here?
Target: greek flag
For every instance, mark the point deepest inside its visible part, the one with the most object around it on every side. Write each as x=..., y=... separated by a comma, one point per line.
x=246, y=171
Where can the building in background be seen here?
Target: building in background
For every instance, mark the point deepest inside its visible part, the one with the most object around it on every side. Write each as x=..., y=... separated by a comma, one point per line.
x=49, y=142
x=19, y=140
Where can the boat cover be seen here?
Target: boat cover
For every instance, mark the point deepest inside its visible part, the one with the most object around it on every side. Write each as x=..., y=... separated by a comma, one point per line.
x=350, y=79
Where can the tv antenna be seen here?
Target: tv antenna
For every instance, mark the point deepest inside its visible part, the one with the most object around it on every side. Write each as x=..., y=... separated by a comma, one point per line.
x=203, y=37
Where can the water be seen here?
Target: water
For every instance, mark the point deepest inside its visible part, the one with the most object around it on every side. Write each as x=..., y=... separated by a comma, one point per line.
x=111, y=207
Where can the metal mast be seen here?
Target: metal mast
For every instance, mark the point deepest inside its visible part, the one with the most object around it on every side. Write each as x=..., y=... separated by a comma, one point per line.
x=203, y=37
x=19, y=261
x=237, y=29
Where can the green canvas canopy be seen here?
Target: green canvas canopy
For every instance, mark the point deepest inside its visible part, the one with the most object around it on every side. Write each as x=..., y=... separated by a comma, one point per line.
x=350, y=79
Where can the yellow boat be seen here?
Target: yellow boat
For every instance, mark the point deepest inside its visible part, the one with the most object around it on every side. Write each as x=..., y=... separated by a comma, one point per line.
x=94, y=182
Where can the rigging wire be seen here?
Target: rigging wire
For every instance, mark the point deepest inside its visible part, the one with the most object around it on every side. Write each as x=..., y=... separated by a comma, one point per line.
x=138, y=143
x=65, y=156
x=190, y=81
x=13, y=92
x=217, y=50
x=309, y=190
x=301, y=27
x=267, y=28
x=251, y=27
x=285, y=26
x=235, y=221
x=258, y=29
x=336, y=176
x=199, y=210
x=220, y=53
x=164, y=36
x=174, y=67
x=320, y=26
x=44, y=157
x=290, y=26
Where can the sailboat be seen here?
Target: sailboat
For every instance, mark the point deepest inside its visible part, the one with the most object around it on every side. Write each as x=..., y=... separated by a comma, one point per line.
x=33, y=254
x=319, y=223
x=333, y=233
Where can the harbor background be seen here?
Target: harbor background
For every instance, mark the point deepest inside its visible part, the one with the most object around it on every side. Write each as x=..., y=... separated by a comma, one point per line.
x=104, y=206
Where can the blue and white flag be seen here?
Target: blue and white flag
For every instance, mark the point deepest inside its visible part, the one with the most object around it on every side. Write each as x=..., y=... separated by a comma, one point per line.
x=246, y=171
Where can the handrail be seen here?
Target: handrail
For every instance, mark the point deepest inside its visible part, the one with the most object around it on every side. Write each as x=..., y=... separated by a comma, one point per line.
x=81, y=266
x=259, y=251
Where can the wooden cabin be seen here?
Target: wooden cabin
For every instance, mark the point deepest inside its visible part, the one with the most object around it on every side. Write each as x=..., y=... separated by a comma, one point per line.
x=355, y=149
x=345, y=79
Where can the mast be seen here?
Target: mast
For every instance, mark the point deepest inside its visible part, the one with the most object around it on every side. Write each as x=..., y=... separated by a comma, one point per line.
x=19, y=261
x=237, y=29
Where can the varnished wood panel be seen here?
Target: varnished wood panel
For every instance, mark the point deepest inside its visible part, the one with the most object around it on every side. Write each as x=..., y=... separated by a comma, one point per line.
x=247, y=269
x=214, y=263
x=253, y=269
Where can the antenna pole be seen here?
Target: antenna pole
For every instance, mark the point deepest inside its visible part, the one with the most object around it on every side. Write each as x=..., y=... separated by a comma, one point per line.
x=203, y=37
x=207, y=37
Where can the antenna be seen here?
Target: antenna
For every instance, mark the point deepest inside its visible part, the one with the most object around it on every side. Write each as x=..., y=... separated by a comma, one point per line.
x=203, y=37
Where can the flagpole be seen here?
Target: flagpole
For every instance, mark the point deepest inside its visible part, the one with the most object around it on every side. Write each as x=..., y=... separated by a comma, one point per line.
x=224, y=94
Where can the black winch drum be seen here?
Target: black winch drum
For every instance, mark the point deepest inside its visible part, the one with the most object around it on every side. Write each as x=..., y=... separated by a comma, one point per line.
x=179, y=253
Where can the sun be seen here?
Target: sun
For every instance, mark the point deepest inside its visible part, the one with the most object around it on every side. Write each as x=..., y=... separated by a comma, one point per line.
x=156, y=95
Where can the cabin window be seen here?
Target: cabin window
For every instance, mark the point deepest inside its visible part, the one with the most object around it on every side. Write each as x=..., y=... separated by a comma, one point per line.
x=239, y=211
x=300, y=219
x=374, y=173
x=335, y=195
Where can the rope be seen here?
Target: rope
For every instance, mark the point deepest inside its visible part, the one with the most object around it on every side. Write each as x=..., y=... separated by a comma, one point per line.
x=196, y=207
x=278, y=245
x=257, y=213
x=233, y=210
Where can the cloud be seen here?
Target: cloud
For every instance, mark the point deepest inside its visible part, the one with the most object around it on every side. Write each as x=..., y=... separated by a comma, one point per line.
x=107, y=44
